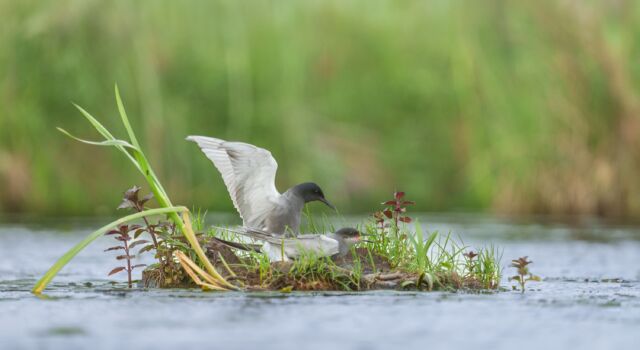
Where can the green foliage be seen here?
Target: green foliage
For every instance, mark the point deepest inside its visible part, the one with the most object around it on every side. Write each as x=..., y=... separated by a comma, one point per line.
x=53, y=271
x=439, y=260
x=135, y=154
x=314, y=272
x=469, y=105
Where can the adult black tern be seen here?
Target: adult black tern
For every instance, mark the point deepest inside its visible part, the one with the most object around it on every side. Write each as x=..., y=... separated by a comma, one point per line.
x=249, y=173
x=278, y=248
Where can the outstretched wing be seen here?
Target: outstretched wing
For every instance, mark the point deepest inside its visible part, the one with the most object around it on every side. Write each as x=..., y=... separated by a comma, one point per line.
x=249, y=172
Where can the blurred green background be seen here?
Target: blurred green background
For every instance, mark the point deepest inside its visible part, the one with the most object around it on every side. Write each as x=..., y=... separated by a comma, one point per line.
x=515, y=107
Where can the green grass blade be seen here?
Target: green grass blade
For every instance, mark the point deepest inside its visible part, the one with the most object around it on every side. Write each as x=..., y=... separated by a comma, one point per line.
x=98, y=143
x=125, y=119
x=107, y=135
x=161, y=195
x=142, y=161
x=53, y=271
x=96, y=124
x=138, y=158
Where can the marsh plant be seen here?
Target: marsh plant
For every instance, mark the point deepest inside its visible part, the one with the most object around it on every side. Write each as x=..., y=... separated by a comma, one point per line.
x=131, y=201
x=524, y=275
x=396, y=252
x=395, y=210
x=438, y=260
x=133, y=152
x=127, y=243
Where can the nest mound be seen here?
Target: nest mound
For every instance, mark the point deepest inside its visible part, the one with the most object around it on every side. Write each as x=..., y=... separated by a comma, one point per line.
x=357, y=272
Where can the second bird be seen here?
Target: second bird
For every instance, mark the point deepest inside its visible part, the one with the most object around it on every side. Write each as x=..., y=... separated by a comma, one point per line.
x=249, y=172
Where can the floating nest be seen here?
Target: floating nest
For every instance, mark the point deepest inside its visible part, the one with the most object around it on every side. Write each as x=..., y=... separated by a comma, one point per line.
x=358, y=272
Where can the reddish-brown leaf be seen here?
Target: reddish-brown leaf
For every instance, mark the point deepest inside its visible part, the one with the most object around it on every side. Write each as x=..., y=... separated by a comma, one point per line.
x=121, y=257
x=389, y=203
x=470, y=255
x=398, y=195
x=138, y=232
x=132, y=193
x=145, y=249
x=388, y=213
x=113, y=248
x=408, y=202
x=138, y=242
x=116, y=270
x=126, y=204
x=146, y=198
x=405, y=219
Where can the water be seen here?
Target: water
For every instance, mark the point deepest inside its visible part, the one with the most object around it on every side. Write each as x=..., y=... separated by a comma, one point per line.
x=589, y=299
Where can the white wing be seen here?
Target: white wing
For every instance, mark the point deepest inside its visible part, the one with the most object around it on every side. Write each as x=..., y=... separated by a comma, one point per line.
x=249, y=172
x=320, y=245
x=292, y=247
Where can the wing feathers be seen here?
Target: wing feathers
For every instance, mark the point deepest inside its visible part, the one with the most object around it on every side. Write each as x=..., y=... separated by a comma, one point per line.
x=248, y=172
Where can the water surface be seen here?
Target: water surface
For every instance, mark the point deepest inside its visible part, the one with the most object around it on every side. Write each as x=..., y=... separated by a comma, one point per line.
x=589, y=299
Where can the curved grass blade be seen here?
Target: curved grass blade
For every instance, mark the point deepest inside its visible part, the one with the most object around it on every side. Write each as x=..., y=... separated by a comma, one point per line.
x=114, y=142
x=125, y=119
x=142, y=161
x=193, y=240
x=142, y=164
x=107, y=135
x=194, y=271
x=53, y=271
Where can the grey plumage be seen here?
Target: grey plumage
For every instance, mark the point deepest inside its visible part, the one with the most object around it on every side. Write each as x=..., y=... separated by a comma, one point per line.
x=249, y=175
x=279, y=248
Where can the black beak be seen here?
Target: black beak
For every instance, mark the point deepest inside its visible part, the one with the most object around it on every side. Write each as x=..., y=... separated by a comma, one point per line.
x=323, y=200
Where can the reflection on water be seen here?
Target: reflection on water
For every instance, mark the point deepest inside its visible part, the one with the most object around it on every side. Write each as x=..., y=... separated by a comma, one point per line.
x=590, y=298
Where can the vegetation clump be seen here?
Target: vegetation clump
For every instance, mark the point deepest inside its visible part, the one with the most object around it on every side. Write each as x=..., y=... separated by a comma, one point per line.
x=396, y=253
x=391, y=257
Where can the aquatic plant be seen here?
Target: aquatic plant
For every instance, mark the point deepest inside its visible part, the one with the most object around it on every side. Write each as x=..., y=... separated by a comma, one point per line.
x=524, y=275
x=134, y=153
x=397, y=207
x=131, y=201
x=313, y=272
x=439, y=260
x=395, y=211
x=471, y=262
x=409, y=260
x=64, y=260
x=121, y=234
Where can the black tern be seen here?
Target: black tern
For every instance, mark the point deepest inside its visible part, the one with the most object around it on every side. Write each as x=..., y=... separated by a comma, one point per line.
x=249, y=173
x=338, y=243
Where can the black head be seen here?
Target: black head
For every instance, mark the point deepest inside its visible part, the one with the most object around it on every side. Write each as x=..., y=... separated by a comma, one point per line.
x=348, y=232
x=312, y=192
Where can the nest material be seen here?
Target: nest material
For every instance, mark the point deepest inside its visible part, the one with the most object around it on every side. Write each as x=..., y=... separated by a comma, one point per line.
x=376, y=274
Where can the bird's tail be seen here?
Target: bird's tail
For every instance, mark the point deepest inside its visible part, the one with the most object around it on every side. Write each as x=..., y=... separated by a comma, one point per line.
x=242, y=246
x=250, y=232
